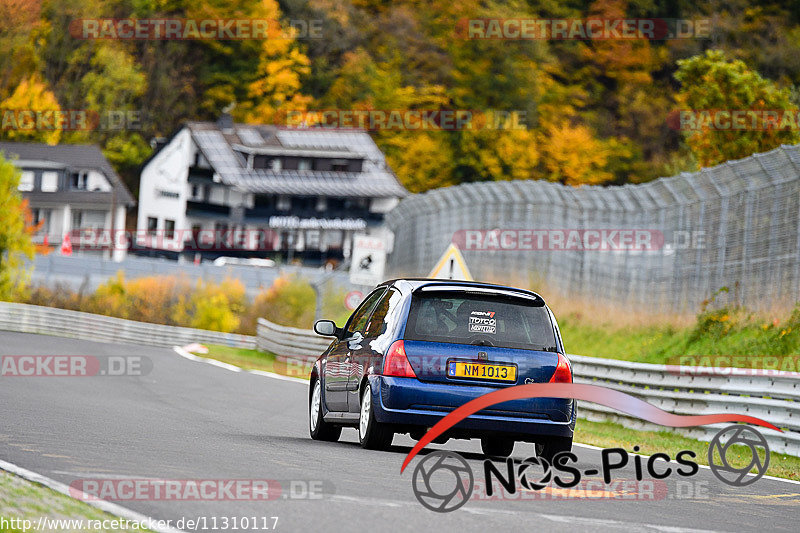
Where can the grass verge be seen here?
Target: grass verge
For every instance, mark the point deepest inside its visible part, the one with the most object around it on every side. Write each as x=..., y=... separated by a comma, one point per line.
x=256, y=360
x=717, y=337
x=22, y=500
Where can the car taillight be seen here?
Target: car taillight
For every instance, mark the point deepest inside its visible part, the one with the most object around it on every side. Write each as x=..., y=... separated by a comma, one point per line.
x=396, y=363
x=563, y=373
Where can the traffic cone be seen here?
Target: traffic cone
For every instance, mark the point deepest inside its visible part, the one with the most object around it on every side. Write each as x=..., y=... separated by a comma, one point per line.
x=66, y=245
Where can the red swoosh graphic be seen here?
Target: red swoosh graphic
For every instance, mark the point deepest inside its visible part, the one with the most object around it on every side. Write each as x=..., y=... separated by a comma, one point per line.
x=590, y=393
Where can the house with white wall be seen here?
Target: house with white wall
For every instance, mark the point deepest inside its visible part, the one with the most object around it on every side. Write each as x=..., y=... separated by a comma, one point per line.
x=226, y=189
x=71, y=189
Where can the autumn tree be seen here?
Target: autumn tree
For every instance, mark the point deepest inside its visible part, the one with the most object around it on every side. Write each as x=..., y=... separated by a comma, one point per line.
x=566, y=163
x=15, y=239
x=421, y=160
x=19, y=113
x=277, y=87
x=712, y=83
x=18, y=21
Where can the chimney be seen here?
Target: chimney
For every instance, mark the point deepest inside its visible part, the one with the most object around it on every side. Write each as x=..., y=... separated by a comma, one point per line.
x=225, y=122
x=157, y=143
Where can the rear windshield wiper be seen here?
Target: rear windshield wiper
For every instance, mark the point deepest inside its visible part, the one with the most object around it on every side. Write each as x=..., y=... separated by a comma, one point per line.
x=482, y=342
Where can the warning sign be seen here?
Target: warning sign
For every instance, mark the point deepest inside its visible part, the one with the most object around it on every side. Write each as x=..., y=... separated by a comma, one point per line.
x=451, y=266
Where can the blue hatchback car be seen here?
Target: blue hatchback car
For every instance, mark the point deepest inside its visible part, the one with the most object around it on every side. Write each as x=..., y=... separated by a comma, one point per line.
x=416, y=349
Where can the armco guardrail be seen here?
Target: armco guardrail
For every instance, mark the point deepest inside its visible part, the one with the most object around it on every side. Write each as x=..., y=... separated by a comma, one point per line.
x=697, y=391
x=290, y=343
x=680, y=390
x=65, y=323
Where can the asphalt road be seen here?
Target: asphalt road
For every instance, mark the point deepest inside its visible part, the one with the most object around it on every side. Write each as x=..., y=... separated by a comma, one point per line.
x=191, y=420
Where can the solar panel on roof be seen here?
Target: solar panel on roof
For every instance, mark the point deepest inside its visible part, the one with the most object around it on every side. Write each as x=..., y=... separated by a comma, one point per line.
x=250, y=136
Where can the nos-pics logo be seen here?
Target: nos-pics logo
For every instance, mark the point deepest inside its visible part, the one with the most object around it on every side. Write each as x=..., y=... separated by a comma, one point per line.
x=443, y=480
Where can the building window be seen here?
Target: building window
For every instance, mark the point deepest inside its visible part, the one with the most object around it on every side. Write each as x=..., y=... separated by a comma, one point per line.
x=77, y=219
x=322, y=203
x=284, y=203
x=356, y=203
x=304, y=164
x=169, y=229
x=26, y=181
x=339, y=165
x=49, y=181
x=79, y=180
x=152, y=226
x=313, y=239
x=275, y=164
x=195, y=191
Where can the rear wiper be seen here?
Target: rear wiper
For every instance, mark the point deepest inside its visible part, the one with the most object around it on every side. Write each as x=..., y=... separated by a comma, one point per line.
x=482, y=342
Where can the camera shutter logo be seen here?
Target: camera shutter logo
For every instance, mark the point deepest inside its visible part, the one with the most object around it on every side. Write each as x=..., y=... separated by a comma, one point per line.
x=442, y=481
x=743, y=436
x=528, y=466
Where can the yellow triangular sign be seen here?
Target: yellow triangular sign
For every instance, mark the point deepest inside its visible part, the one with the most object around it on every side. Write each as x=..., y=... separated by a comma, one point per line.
x=451, y=266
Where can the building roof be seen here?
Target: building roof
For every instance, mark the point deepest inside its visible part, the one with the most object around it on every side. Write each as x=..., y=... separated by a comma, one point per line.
x=74, y=156
x=222, y=144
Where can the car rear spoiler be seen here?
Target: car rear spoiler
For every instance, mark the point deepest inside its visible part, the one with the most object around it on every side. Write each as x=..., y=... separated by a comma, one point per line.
x=472, y=289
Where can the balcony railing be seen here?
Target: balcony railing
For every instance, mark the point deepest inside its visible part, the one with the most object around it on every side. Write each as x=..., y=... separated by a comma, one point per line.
x=193, y=207
x=263, y=213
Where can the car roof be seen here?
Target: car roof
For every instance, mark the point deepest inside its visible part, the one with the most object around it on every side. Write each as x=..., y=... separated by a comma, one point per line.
x=417, y=283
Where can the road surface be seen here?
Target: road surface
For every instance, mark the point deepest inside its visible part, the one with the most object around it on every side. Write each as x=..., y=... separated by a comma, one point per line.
x=191, y=420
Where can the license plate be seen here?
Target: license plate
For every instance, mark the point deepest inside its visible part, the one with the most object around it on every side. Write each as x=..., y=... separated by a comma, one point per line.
x=463, y=369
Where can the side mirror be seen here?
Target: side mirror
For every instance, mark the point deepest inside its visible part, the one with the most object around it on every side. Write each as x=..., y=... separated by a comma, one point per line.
x=326, y=328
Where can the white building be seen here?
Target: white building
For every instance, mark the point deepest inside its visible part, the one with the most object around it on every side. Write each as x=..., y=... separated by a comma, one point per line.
x=71, y=189
x=225, y=189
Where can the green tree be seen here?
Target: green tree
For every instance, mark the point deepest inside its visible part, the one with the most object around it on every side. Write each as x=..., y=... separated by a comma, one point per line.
x=15, y=240
x=712, y=82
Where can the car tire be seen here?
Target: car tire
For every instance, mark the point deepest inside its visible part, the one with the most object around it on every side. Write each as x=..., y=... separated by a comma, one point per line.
x=319, y=429
x=552, y=447
x=497, y=446
x=372, y=435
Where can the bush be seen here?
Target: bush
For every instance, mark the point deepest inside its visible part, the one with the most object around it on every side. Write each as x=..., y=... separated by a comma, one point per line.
x=291, y=301
x=59, y=296
x=218, y=307
x=171, y=300
x=175, y=301
x=147, y=299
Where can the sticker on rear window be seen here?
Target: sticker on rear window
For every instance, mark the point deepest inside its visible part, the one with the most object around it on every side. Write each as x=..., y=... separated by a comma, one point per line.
x=482, y=322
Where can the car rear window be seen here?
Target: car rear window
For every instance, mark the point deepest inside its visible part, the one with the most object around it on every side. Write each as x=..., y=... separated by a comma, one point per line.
x=480, y=319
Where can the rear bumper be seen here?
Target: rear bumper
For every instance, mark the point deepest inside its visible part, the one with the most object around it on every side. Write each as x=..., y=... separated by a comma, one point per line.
x=412, y=404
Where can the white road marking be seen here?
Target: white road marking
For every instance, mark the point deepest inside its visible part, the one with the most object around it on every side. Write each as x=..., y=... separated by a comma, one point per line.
x=98, y=475
x=108, y=507
x=560, y=519
x=190, y=356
